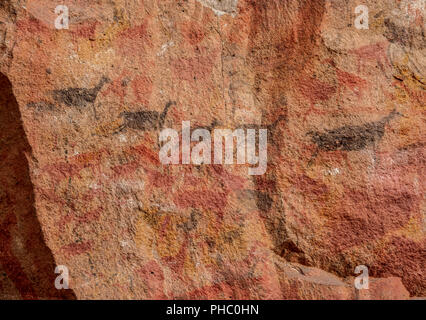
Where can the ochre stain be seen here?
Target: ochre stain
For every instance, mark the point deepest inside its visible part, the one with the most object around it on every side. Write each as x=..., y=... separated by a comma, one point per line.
x=74, y=249
x=351, y=81
x=142, y=88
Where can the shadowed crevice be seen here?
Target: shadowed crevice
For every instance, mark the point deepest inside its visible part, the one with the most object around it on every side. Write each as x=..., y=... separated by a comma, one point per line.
x=27, y=266
x=278, y=55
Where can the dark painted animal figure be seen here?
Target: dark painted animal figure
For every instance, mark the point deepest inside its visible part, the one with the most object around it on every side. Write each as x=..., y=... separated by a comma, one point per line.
x=79, y=97
x=145, y=120
x=352, y=138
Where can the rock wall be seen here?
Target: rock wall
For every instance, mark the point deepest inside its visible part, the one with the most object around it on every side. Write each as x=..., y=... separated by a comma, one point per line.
x=81, y=180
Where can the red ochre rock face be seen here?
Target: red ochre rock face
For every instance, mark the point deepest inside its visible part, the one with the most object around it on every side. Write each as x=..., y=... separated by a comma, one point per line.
x=82, y=185
x=26, y=262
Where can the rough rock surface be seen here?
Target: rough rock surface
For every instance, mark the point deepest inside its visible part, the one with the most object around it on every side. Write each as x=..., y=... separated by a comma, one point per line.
x=81, y=183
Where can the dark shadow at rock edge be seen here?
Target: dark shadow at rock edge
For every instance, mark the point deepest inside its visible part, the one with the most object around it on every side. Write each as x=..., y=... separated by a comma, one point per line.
x=27, y=266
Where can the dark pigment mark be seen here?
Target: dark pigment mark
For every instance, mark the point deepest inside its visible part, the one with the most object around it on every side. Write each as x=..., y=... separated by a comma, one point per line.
x=79, y=97
x=233, y=235
x=210, y=127
x=292, y=252
x=192, y=222
x=145, y=120
x=407, y=37
x=352, y=138
x=264, y=201
x=41, y=106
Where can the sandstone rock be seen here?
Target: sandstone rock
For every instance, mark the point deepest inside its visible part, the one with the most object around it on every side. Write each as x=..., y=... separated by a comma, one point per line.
x=301, y=282
x=384, y=289
x=81, y=181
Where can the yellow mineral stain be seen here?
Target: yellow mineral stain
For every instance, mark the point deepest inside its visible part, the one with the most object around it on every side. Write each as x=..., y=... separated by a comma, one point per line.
x=164, y=230
x=98, y=50
x=411, y=80
x=169, y=240
x=190, y=267
x=411, y=230
x=106, y=129
x=144, y=237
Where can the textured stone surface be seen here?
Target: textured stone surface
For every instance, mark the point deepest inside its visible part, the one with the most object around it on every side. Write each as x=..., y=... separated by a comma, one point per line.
x=384, y=289
x=82, y=184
